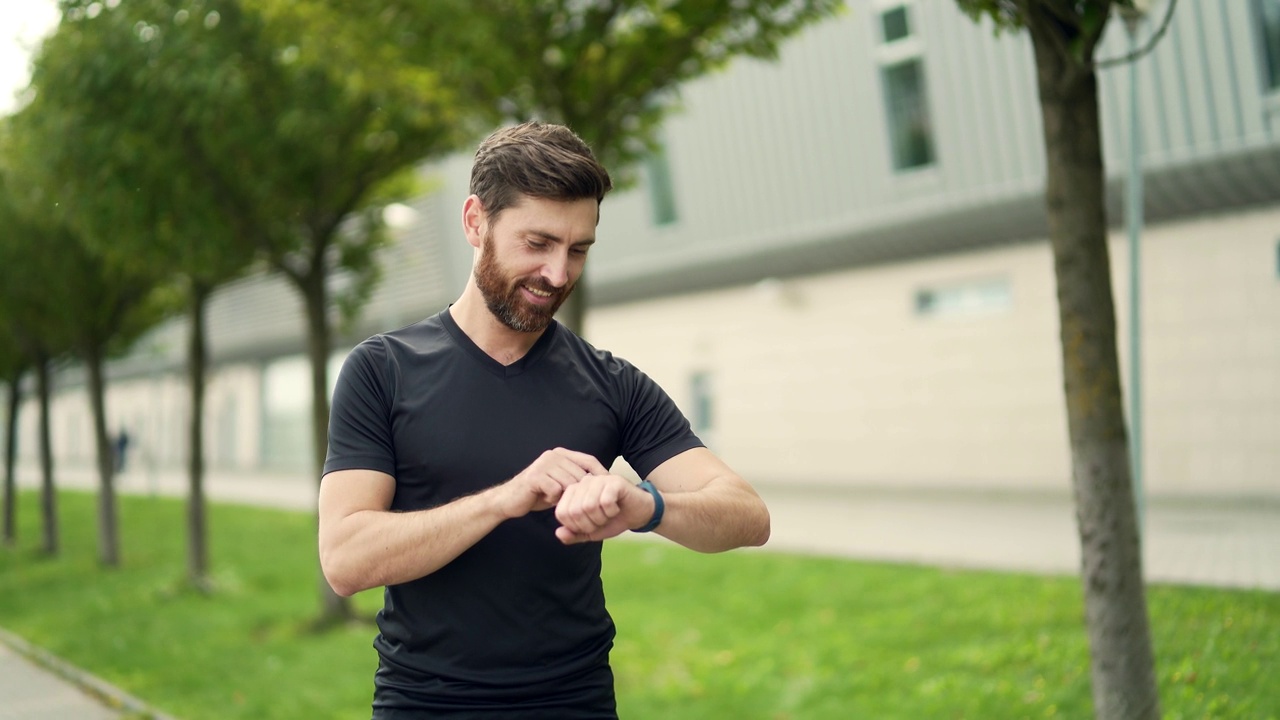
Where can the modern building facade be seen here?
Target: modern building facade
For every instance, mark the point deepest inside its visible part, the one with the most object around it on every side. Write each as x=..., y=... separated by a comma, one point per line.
x=838, y=266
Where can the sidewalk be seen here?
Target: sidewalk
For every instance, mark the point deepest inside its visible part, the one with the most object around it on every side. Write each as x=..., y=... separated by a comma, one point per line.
x=30, y=691
x=1216, y=543
x=35, y=685
x=1186, y=541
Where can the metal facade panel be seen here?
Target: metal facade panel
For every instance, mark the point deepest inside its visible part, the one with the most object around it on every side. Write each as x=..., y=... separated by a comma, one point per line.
x=1217, y=96
x=783, y=167
x=767, y=153
x=760, y=141
x=1244, y=46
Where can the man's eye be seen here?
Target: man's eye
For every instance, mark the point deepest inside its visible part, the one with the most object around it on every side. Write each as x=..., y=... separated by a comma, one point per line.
x=579, y=251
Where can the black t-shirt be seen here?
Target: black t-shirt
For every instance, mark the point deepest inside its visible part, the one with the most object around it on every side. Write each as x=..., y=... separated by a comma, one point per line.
x=518, y=615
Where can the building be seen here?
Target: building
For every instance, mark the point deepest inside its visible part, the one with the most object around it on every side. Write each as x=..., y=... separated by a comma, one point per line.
x=838, y=266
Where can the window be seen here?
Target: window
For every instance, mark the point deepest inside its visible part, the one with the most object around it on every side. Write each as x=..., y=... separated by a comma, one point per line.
x=980, y=297
x=1269, y=28
x=901, y=59
x=910, y=137
x=700, y=386
x=896, y=24
x=662, y=198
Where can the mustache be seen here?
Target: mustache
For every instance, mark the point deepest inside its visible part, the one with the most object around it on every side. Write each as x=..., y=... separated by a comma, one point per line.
x=541, y=285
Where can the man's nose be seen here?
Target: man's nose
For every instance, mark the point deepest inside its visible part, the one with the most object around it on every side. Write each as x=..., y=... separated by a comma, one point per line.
x=556, y=270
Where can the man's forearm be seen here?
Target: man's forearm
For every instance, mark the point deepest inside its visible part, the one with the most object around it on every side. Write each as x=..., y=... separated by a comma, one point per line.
x=722, y=515
x=372, y=548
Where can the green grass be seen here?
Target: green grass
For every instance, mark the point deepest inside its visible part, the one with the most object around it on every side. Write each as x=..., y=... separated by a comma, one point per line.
x=744, y=635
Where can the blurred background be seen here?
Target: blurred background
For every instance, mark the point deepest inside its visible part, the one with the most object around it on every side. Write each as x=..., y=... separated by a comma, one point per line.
x=835, y=260
x=949, y=288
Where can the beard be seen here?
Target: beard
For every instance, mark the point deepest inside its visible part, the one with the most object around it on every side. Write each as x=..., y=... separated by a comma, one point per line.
x=502, y=294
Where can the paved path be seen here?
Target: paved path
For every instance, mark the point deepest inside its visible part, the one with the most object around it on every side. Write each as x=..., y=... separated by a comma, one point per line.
x=1196, y=542
x=35, y=685
x=1199, y=543
x=1185, y=542
x=29, y=691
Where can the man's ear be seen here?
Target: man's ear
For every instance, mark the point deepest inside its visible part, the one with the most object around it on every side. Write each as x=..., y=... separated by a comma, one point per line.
x=474, y=221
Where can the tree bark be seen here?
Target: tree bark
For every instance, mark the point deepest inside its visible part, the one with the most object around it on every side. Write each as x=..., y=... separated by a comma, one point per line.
x=108, y=531
x=333, y=607
x=48, y=494
x=197, y=527
x=1122, y=664
x=574, y=311
x=10, y=460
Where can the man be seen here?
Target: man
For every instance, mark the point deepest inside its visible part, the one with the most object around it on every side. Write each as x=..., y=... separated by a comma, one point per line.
x=469, y=456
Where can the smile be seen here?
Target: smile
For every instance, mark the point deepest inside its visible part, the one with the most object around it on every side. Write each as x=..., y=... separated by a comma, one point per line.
x=539, y=293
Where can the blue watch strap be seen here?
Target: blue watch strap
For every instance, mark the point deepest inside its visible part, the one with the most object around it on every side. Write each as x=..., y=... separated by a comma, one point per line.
x=658, y=507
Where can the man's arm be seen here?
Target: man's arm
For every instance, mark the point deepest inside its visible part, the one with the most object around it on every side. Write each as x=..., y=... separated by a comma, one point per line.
x=363, y=544
x=709, y=508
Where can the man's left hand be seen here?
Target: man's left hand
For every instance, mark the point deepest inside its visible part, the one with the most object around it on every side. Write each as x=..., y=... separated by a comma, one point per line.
x=601, y=507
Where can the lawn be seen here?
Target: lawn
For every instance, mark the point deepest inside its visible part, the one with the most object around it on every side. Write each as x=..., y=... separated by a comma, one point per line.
x=744, y=635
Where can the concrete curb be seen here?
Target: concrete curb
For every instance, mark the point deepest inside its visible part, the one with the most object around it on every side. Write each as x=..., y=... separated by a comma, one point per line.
x=108, y=694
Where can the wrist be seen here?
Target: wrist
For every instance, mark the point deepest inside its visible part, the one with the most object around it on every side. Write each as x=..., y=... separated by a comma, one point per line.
x=498, y=501
x=659, y=508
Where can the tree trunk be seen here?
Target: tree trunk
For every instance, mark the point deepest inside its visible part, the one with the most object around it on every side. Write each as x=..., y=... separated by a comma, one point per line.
x=10, y=460
x=197, y=528
x=1122, y=666
x=574, y=311
x=48, y=494
x=108, y=531
x=333, y=607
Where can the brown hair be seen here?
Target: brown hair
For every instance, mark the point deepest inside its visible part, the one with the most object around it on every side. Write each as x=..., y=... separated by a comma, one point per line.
x=539, y=160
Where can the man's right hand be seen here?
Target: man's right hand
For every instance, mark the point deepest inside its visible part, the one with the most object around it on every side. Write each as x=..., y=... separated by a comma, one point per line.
x=539, y=486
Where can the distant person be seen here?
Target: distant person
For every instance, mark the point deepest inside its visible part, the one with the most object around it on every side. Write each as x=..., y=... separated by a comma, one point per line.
x=469, y=456
x=121, y=449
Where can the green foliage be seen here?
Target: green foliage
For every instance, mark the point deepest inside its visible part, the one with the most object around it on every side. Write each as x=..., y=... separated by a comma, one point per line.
x=743, y=635
x=1078, y=23
x=61, y=295
x=207, y=129
x=610, y=70
x=108, y=146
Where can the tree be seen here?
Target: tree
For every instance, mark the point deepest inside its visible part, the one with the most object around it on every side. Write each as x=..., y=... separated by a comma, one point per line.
x=124, y=180
x=96, y=306
x=299, y=138
x=36, y=338
x=13, y=362
x=1064, y=37
x=611, y=69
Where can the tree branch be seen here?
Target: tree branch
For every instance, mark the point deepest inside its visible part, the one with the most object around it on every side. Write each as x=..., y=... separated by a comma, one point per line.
x=1151, y=43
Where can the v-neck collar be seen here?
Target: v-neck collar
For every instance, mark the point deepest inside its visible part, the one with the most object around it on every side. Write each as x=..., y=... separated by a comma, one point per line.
x=483, y=358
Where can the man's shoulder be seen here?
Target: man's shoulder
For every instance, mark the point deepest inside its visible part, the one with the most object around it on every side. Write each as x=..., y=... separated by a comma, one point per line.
x=601, y=368
x=424, y=335
x=583, y=352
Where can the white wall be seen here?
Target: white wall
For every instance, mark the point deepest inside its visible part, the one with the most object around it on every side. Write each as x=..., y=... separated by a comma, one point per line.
x=837, y=379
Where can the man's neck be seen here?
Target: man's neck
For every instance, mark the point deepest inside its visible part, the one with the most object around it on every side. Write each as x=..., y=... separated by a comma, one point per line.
x=488, y=332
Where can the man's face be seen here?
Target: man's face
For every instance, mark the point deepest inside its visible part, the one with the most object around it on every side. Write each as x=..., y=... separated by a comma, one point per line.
x=531, y=259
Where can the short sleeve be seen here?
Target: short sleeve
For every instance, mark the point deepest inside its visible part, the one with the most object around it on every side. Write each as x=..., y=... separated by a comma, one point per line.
x=654, y=430
x=360, y=434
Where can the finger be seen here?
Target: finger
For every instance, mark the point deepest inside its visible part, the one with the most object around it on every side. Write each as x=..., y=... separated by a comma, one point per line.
x=569, y=509
x=569, y=537
x=566, y=475
x=599, y=508
x=548, y=487
x=585, y=461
